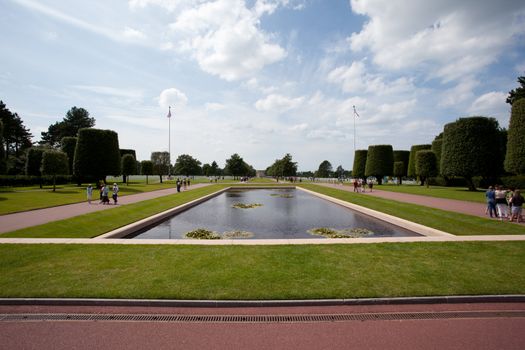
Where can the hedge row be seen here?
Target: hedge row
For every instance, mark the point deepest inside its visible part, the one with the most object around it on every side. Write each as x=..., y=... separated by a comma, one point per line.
x=25, y=180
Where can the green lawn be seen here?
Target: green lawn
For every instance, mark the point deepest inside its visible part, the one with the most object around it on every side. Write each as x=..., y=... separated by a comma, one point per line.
x=451, y=222
x=459, y=193
x=262, y=272
x=17, y=199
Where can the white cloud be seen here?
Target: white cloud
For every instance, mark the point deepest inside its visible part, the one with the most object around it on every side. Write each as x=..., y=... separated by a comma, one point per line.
x=299, y=127
x=447, y=37
x=111, y=91
x=133, y=34
x=212, y=106
x=278, y=103
x=491, y=104
x=459, y=93
x=225, y=39
x=355, y=78
x=172, y=97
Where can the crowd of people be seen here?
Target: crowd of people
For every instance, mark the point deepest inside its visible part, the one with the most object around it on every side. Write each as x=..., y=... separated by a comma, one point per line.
x=504, y=204
x=360, y=185
x=104, y=193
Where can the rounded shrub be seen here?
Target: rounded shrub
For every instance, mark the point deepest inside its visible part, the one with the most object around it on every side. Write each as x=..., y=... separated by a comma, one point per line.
x=358, y=171
x=402, y=156
x=515, y=157
x=68, y=145
x=97, y=154
x=379, y=161
x=411, y=172
x=426, y=165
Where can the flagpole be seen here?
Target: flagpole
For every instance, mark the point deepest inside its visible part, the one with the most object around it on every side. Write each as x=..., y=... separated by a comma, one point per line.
x=169, y=141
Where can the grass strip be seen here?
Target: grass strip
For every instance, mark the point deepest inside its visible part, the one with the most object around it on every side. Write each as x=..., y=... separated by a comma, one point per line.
x=448, y=221
x=94, y=224
x=262, y=272
x=457, y=193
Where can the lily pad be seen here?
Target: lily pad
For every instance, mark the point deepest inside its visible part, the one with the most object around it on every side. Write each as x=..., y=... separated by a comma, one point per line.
x=346, y=233
x=202, y=233
x=237, y=234
x=246, y=206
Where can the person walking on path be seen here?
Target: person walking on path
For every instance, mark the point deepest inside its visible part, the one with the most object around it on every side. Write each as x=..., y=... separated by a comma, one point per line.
x=89, y=193
x=501, y=203
x=517, y=202
x=105, y=194
x=491, y=202
x=178, y=185
x=115, y=193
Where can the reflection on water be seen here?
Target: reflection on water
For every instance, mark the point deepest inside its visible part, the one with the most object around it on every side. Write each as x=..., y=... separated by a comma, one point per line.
x=280, y=217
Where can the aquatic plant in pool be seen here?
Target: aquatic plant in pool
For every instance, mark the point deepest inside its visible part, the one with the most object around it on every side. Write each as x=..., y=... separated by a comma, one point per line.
x=202, y=233
x=344, y=233
x=278, y=214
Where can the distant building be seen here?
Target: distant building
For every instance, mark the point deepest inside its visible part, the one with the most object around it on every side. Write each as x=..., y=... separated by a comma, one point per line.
x=260, y=173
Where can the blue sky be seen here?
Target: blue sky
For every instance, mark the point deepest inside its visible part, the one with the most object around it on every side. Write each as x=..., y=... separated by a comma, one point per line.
x=262, y=77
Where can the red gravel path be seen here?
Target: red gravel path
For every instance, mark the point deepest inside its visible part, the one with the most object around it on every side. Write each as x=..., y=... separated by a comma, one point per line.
x=462, y=333
x=16, y=221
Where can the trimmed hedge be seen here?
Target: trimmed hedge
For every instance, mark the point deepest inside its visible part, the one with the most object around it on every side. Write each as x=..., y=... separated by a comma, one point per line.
x=515, y=158
x=402, y=156
x=24, y=180
x=470, y=148
x=34, y=161
x=97, y=154
x=517, y=182
x=437, y=147
x=68, y=145
x=379, y=161
x=411, y=172
x=426, y=165
x=358, y=171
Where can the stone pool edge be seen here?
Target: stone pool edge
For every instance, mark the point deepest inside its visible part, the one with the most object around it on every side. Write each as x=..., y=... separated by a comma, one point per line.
x=394, y=220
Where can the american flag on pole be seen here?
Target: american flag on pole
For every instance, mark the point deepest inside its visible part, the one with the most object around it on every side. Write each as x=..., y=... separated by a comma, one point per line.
x=169, y=112
x=355, y=112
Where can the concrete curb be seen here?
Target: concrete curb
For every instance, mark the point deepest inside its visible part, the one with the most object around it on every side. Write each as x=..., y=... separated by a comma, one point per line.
x=454, y=299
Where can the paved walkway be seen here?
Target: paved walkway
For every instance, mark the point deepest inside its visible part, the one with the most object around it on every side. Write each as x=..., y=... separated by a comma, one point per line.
x=16, y=221
x=464, y=207
x=461, y=332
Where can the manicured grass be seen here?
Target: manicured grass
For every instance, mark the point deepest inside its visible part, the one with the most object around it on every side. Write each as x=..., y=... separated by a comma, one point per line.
x=21, y=199
x=97, y=223
x=451, y=222
x=262, y=180
x=459, y=193
x=262, y=272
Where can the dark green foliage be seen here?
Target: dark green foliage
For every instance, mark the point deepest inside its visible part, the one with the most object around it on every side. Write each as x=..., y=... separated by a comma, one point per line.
x=161, y=163
x=128, y=151
x=325, y=169
x=399, y=171
x=358, y=170
x=517, y=181
x=129, y=166
x=24, y=180
x=55, y=163
x=437, y=147
x=3, y=161
x=236, y=166
x=339, y=172
x=411, y=172
x=214, y=169
x=515, y=158
x=97, y=154
x=34, y=161
x=206, y=169
x=68, y=146
x=146, y=168
x=426, y=165
x=283, y=167
x=402, y=156
x=75, y=119
x=16, y=137
x=518, y=93
x=471, y=148
x=379, y=162
x=187, y=165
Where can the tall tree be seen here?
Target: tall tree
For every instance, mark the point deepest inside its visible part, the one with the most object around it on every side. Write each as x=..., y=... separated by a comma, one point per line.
x=68, y=145
x=283, y=167
x=324, y=170
x=471, y=148
x=3, y=161
x=16, y=137
x=54, y=163
x=75, y=119
x=517, y=93
x=214, y=169
x=146, y=168
x=379, y=162
x=129, y=166
x=206, y=169
x=339, y=172
x=161, y=163
x=235, y=166
x=187, y=165
x=515, y=159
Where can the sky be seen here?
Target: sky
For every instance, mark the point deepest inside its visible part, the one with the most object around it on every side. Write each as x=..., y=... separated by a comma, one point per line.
x=262, y=78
